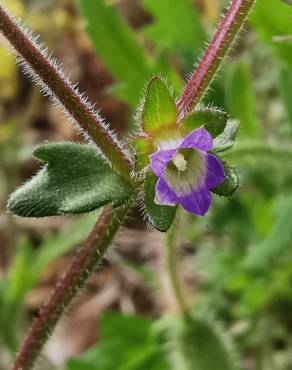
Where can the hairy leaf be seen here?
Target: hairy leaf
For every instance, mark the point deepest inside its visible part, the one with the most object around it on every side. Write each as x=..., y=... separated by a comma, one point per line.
x=161, y=217
x=159, y=108
x=76, y=179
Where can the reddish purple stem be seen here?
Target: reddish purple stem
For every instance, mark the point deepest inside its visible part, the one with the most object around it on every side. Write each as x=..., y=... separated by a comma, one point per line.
x=214, y=54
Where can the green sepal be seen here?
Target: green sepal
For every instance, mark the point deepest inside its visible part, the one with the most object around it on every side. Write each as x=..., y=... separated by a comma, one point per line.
x=143, y=147
x=161, y=217
x=230, y=184
x=159, y=109
x=213, y=120
x=225, y=141
x=75, y=179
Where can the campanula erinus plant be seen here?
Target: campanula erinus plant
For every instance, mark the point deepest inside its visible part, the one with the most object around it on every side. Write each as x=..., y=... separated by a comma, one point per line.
x=174, y=161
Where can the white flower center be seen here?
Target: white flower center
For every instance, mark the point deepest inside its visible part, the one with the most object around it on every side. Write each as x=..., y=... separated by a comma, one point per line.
x=180, y=162
x=186, y=171
x=172, y=142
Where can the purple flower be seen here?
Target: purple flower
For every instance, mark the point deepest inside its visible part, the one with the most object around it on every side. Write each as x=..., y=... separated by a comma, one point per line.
x=187, y=172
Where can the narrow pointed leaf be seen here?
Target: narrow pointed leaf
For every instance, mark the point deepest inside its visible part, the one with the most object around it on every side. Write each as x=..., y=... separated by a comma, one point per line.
x=264, y=255
x=161, y=217
x=214, y=121
x=186, y=42
x=115, y=43
x=162, y=30
x=159, y=109
x=75, y=179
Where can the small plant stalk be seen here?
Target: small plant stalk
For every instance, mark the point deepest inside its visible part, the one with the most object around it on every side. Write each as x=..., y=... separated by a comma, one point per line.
x=214, y=55
x=50, y=77
x=84, y=263
x=171, y=266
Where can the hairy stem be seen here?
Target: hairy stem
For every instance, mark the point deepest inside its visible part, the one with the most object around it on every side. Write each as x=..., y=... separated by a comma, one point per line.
x=213, y=57
x=171, y=265
x=46, y=72
x=84, y=263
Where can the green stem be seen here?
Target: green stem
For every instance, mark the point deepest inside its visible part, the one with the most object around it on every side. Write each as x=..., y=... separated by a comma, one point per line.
x=84, y=263
x=171, y=265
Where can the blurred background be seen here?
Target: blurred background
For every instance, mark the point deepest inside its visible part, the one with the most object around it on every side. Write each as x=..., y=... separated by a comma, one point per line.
x=235, y=264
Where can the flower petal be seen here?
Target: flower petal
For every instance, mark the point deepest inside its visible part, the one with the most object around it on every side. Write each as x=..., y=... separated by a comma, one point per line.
x=198, y=139
x=197, y=202
x=185, y=182
x=215, y=171
x=164, y=194
x=159, y=161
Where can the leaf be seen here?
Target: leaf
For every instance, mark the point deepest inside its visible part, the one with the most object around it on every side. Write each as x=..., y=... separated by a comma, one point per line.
x=214, y=121
x=76, y=179
x=240, y=99
x=116, y=44
x=272, y=21
x=126, y=344
x=18, y=277
x=159, y=109
x=197, y=343
x=226, y=140
x=285, y=84
x=11, y=289
x=161, y=217
x=186, y=39
x=265, y=253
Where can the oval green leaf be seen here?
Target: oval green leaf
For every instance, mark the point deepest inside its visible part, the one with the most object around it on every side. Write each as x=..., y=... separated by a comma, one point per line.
x=75, y=179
